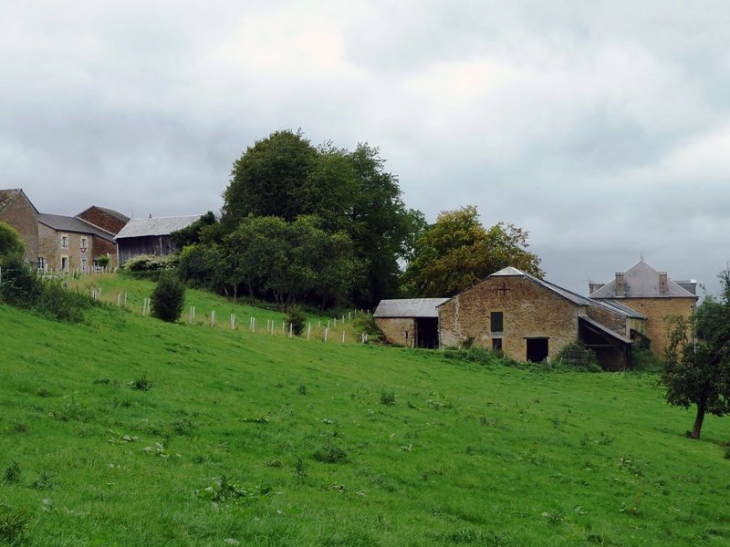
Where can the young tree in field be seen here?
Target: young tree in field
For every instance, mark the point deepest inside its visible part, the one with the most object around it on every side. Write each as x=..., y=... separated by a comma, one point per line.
x=697, y=362
x=168, y=298
x=457, y=251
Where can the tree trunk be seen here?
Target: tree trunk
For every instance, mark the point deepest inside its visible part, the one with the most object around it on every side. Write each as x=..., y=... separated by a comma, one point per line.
x=697, y=428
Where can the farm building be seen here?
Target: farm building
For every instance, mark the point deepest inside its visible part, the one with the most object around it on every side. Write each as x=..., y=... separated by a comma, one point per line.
x=57, y=242
x=150, y=236
x=410, y=322
x=531, y=319
x=652, y=294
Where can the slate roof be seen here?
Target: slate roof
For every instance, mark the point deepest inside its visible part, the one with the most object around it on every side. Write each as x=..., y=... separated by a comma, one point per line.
x=642, y=281
x=409, y=307
x=162, y=226
x=605, y=330
x=62, y=223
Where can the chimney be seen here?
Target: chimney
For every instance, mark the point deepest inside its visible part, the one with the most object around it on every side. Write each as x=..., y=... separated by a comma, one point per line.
x=663, y=287
x=150, y=215
x=593, y=286
x=619, y=283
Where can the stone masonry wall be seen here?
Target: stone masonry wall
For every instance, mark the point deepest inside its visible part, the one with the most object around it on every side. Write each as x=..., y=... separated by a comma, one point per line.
x=529, y=310
x=21, y=215
x=657, y=310
x=613, y=320
x=103, y=220
x=49, y=247
x=400, y=331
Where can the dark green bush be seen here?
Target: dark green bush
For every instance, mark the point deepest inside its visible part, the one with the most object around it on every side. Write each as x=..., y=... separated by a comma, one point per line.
x=168, y=298
x=296, y=317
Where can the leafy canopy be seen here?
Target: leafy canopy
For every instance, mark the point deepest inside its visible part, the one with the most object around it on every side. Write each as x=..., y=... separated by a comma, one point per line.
x=11, y=244
x=698, y=372
x=457, y=251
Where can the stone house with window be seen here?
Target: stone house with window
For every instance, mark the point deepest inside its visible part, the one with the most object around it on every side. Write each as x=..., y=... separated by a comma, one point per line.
x=652, y=294
x=410, y=322
x=530, y=319
x=57, y=242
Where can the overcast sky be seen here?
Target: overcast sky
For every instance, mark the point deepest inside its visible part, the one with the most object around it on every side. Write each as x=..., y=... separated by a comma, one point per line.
x=602, y=127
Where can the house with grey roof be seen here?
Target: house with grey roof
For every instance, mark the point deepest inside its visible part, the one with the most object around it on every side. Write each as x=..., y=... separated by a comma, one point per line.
x=410, y=322
x=531, y=319
x=150, y=236
x=57, y=242
x=651, y=293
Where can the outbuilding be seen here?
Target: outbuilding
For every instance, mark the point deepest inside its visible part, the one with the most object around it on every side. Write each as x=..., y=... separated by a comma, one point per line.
x=410, y=322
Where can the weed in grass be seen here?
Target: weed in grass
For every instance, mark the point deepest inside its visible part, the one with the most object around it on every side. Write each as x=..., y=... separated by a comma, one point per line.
x=13, y=525
x=300, y=469
x=20, y=427
x=302, y=389
x=141, y=384
x=387, y=398
x=45, y=481
x=12, y=473
x=183, y=427
x=43, y=392
x=330, y=454
x=104, y=381
x=553, y=518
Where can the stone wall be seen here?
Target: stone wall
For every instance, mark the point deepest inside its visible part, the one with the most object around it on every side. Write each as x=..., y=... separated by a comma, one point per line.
x=656, y=311
x=610, y=319
x=21, y=215
x=49, y=247
x=529, y=311
x=103, y=220
x=399, y=331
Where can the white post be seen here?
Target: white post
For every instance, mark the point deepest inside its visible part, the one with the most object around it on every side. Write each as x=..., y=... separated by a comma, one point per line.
x=326, y=333
x=335, y=319
x=283, y=327
x=190, y=316
x=309, y=330
x=233, y=321
x=212, y=318
x=291, y=329
x=343, y=319
x=349, y=316
x=343, y=336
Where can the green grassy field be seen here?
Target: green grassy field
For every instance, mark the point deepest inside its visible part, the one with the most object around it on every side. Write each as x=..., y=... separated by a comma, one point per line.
x=128, y=431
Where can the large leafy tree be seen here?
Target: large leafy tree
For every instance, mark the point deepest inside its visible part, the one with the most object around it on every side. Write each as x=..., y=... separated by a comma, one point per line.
x=351, y=193
x=697, y=361
x=457, y=251
x=11, y=244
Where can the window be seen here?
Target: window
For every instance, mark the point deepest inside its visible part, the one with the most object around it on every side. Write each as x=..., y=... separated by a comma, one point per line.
x=64, y=242
x=83, y=243
x=42, y=263
x=64, y=263
x=496, y=321
x=497, y=344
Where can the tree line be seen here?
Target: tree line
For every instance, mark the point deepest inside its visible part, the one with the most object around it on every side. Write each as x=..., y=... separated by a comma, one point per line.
x=328, y=226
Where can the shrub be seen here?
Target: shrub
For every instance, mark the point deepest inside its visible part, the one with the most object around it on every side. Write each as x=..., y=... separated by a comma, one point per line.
x=168, y=298
x=364, y=322
x=296, y=317
x=644, y=359
x=577, y=356
x=12, y=525
x=387, y=398
x=150, y=265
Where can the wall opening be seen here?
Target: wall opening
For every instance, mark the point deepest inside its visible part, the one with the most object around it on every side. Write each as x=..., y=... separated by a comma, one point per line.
x=427, y=332
x=537, y=349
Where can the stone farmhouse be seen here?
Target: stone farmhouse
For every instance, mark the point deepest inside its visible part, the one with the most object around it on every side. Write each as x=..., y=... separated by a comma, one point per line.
x=57, y=242
x=150, y=236
x=531, y=319
x=410, y=322
x=652, y=294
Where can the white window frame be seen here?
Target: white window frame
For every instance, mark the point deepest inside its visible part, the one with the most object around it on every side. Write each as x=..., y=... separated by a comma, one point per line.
x=64, y=241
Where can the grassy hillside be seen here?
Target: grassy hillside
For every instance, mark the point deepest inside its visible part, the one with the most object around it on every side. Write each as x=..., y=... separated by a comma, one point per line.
x=128, y=431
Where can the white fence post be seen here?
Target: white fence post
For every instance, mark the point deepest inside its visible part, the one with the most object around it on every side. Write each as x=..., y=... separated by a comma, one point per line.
x=212, y=318
x=233, y=321
x=343, y=336
x=309, y=330
x=326, y=333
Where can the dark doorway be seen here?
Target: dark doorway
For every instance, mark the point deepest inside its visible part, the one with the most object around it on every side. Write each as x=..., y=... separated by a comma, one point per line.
x=427, y=332
x=537, y=349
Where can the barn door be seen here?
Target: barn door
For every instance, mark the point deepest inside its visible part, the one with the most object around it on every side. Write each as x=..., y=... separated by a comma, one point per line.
x=537, y=349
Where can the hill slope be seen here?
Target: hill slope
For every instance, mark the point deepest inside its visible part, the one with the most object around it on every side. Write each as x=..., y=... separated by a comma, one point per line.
x=129, y=431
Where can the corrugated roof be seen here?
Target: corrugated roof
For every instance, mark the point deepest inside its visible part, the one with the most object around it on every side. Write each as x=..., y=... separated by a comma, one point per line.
x=409, y=307
x=617, y=306
x=642, y=281
x=141, y=227
x=62, y=223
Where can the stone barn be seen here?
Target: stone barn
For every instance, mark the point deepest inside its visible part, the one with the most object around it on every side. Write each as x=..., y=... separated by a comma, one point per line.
x=652, y=294
x=410, y=322
x=530, y=319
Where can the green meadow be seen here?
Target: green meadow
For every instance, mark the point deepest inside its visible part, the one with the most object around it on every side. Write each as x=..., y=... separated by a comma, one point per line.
x=129, y=431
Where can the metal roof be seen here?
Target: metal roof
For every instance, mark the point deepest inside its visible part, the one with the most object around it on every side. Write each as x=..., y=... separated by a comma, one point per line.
x=565, y=293
x=409, y=307
x=642, y=281
x=620, y=308
x=163, y=226
x=62, y=223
